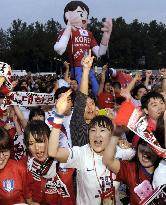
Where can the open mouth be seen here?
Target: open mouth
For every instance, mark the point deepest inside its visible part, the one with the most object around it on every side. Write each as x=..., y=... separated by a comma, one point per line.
x=84, y=21
x=98, y=143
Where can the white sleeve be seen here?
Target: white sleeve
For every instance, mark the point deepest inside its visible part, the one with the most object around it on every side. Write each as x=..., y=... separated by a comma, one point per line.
x=63, y=140
x=61, y=45
x=99, y=50
x=74, y=159
x=159, y=175
x=102, y=49
x=95, y=50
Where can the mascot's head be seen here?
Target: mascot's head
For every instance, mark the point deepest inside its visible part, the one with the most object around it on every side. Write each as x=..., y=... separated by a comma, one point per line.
x=77, y=8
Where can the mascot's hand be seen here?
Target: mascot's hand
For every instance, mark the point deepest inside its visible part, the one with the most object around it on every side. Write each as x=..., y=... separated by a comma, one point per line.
x=73, y=19
x=107, y=28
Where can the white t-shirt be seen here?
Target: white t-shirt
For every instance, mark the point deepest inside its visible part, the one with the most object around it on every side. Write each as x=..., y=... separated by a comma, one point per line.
x=66, y=139
x=88, y=188
x=25, y=111
x=136, y=102
x=159, y=177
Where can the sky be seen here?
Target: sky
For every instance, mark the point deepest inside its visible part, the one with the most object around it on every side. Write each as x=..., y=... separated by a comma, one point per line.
x=31, y=11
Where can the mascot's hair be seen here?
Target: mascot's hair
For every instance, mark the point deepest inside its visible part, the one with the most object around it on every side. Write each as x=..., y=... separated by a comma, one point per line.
x=71, y=6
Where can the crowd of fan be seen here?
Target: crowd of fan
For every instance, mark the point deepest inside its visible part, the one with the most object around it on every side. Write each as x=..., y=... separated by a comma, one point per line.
x=72, y=152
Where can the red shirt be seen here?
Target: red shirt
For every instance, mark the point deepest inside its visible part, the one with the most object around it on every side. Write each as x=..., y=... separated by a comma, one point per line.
x=81, y=40
x=13, y=183
x=106, y=100
x=47, y=191
x=128, y=174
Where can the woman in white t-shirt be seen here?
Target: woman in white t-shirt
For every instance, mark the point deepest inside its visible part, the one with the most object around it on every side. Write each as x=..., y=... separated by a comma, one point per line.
x=94, y=180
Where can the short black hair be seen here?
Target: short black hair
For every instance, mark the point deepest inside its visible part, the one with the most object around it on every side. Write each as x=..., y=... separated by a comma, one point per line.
x=160, y=130
x=101, y=121
x=64, y=89
x=116, y=84
x=72, y=6
x=74, y=79
x=107, y=81
x=146, y=98
x=136, y=89
x=91, y=96
x=36, y=111
x=119, y=100
x=38, y=129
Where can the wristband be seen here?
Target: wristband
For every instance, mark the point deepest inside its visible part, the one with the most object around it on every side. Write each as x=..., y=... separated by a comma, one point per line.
x=59, y=115
x=57, y=126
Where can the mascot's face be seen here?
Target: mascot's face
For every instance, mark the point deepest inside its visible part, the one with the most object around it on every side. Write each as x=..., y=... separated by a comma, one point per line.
x=83, y=15
x=80, y=14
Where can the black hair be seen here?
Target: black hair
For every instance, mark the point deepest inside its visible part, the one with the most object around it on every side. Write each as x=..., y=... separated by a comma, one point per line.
x=1, y=95
x=146, y=98
x=101, y=121
x=91, y=96
x=107, y=81
x=119, y=100
x=72, y=6
x=135, y=159
x=160, y=130
x=116, y=84
x=136, y=89
x=36, y=111
x=64, y=89
x=74, y=79
x=5, y=141
x=38, y=129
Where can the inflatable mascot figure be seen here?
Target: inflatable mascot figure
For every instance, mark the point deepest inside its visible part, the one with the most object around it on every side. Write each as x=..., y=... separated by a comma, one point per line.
x=77, y=40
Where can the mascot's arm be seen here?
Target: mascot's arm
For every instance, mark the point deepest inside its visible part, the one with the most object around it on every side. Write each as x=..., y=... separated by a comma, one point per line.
x=107, y=29
x=60, y=46
x=99, y=50
x=73, y=20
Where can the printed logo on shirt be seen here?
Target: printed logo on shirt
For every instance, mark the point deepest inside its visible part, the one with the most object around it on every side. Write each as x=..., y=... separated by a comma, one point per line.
x=56, y=186
x=106, y=183
x=83, y=32
x=8, y=185
x=89, y=170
